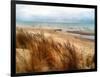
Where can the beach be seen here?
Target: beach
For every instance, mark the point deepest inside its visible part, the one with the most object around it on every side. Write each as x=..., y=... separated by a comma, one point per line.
x=50, y=38
x=82, y=48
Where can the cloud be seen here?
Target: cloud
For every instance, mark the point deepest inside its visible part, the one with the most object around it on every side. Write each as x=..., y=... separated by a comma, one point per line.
x=53, y=13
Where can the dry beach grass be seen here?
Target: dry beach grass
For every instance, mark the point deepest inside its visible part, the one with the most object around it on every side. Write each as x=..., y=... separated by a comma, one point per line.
x=37, y=51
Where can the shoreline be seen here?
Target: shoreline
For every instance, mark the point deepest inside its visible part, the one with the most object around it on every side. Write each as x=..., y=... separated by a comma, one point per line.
x=79, y=34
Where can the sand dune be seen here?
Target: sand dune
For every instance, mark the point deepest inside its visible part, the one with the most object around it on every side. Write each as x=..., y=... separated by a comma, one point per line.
x=42, y=50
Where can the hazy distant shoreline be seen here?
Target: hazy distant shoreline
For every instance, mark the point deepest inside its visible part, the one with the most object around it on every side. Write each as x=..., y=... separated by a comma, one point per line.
x=78, y=33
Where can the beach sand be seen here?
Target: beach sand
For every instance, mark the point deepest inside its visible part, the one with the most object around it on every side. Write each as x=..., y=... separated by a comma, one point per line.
x=83, y=48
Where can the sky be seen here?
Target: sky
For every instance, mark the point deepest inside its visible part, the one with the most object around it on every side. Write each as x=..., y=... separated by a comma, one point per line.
x=34, y=13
